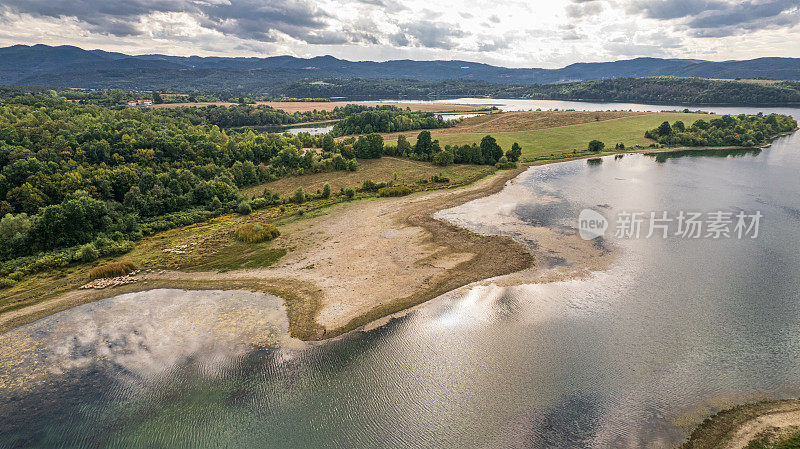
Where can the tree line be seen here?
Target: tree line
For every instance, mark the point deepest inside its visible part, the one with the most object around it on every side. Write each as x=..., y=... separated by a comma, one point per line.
x=740, y=130
x=72, y=175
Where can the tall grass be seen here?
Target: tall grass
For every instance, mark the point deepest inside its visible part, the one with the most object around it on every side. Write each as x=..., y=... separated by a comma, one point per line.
x=256, y=232
x=111, y=270
x=394, y=191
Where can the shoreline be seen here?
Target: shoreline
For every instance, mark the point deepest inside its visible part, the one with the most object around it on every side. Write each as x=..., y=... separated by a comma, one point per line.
x=735, y=427
x=457, y=257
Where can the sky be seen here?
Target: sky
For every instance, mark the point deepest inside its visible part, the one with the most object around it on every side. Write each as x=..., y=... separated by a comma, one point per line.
x=537, y=33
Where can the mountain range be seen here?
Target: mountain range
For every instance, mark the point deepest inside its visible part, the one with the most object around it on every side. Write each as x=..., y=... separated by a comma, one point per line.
x=69, y=66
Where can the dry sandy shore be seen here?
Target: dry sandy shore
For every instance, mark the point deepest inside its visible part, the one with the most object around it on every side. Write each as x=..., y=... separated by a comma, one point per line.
x=737, y=427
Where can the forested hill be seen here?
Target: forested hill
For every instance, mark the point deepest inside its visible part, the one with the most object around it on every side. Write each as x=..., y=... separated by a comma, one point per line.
x=654, y=90
x=68, y=66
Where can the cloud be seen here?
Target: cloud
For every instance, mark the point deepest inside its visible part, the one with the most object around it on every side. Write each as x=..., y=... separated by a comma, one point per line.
x=248, y=19
x=583, y=8
x=431, y=34
x=718, y=18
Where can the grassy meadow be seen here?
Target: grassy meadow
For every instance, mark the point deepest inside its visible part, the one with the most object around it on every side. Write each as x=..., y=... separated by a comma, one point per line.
x=561, y=139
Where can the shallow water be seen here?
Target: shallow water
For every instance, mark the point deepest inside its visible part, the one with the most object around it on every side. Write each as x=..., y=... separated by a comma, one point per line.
x=632, y=357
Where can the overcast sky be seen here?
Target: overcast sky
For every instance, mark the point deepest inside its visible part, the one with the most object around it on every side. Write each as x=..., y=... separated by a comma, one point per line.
x=538, y=33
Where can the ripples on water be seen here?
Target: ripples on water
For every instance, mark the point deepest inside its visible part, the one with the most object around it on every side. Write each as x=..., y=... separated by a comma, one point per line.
x=632, y=357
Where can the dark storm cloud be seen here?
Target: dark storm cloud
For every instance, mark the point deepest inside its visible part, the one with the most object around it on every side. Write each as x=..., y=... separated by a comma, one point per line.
x=716, y=18
x=248, y=19
x=431, y=34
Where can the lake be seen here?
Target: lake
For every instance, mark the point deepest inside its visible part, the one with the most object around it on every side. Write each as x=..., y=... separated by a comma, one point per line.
x=633, y=356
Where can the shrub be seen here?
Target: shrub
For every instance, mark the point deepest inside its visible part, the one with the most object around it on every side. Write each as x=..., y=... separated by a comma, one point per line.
x=256, y=232
x=16, y=275
x=260, y=203
x=301, y=211
x=443, y=158
x=111, y=270
x=394, y=191
x=326, y=190
x=349, y=193
x=596, y=146
x=6, y=282
x=299, y=196
x=244, y=208
x=87, y=253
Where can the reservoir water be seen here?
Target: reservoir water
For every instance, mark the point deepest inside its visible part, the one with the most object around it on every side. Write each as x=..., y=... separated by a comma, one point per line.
x=633, y=356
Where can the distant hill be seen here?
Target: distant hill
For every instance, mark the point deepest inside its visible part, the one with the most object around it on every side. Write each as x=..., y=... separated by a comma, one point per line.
x=68, y=66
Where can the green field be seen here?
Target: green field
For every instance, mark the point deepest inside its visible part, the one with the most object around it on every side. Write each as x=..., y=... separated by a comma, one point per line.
x=629, y=130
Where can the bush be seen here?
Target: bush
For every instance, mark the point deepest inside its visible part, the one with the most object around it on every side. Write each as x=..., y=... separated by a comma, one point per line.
x=244, y=208
x=299, y=196
x=349, y=193
x=256, y=232
x=326, y=190
x=443, y=158
x=394, y=191
x=596, y=146
x=5, y=283
x=87, y=253
x=111, y=270
x=301, y=211
x=260, y=203
x=16, y=275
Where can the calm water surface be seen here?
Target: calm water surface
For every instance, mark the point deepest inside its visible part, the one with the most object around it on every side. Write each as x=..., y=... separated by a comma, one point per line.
x=632, y=357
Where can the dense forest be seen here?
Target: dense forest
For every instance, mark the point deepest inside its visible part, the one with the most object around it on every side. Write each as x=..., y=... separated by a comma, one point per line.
x=658, y=90
x=389, y=119
x=741, y=130
x=263, y=115
x=74, y=175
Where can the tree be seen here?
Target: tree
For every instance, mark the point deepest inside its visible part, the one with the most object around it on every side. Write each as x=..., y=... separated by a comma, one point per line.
x=679, y=126
x=424, y=144
x=157, y=98
x=596, y=146
x=369, y=146
x=326, y=190
x=490, y=150
x=403, y=146
x=443, y=158
x=664, y=129
x=299, y=196
x=514, y=153
x=328, y=143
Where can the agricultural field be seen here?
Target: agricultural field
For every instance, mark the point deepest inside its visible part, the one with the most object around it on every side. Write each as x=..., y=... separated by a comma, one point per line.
x=559, y=132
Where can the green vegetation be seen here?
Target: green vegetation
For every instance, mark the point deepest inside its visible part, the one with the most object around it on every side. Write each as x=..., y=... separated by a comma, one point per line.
x=570, y=141
x=653, y=90
x=740, y=130
x=596, y=146
x=387, y=119
x=256, y=232
x=111, y=270
x=74, y=174
x=394, y=191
